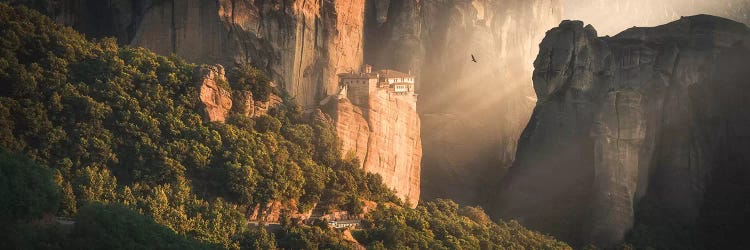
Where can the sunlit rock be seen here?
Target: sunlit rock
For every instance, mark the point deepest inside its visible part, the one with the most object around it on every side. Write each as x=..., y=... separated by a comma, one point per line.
x=377, y=122
x=215, y=98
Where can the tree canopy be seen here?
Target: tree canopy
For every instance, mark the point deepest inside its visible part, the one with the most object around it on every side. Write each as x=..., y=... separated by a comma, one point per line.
x=27, y=190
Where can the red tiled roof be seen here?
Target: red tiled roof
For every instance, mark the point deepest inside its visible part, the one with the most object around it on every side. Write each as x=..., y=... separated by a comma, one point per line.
x=357, y=75
x=389, y=73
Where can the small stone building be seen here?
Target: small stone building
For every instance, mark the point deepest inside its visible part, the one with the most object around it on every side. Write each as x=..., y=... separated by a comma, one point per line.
x=360, y=86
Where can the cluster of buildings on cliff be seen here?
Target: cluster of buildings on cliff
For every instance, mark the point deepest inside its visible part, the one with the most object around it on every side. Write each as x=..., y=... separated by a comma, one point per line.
x=357, y=87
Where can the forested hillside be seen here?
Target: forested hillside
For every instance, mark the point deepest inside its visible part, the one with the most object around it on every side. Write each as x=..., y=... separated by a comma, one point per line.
x=112, y=138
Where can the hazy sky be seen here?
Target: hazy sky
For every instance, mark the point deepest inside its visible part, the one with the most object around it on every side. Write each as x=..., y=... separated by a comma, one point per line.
x=610, y=17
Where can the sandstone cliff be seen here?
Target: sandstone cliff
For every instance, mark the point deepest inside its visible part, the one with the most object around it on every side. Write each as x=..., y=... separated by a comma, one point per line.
x=472, y=113
x=652, y=112
x=301, y=44
x=385, y=137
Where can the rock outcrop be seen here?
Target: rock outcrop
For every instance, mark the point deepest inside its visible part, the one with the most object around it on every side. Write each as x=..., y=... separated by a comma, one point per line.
x=262, y=107
x=472, y=113
x=213, y=92
x=216, y=98
x=651, y=112
x=246, y=103
x=385, y=137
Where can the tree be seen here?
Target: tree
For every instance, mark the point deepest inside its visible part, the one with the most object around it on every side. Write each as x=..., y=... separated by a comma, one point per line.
x=95, y=184
x=353, y=205
x=257, y=238
x=476, y=214
x=242, y=182
x=267, y=124
x=438, y=225
x=68, y=205
x=27, y=190
x=247, y=77
x=100, y=226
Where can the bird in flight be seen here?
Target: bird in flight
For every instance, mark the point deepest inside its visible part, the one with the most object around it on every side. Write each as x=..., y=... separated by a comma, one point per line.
x=473, y=59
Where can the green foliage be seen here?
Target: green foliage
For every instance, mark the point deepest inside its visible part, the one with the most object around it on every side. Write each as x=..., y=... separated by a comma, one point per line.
x=68, y=204
x=34, y=236
x=101, y=226
x=242, y=183
x=327, y=143
x=268, y=124
x=94, y=184
x=257, y=238
x=247, y=77
x=27, y=190
x=34, y=193
x=311, y=237
x=475, y=214
x=353, y=205
x=223, y=84
x=438, y=225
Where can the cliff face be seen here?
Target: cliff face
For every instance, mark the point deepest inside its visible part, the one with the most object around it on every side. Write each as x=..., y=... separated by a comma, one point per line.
x=652, y=112
x=301, y=44
x=472, y=113
x=386, y=138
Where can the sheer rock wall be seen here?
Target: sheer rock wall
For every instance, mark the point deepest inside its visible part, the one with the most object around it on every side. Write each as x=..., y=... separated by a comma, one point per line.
x=650, y=112
x=301, y=44
x=386, y=138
